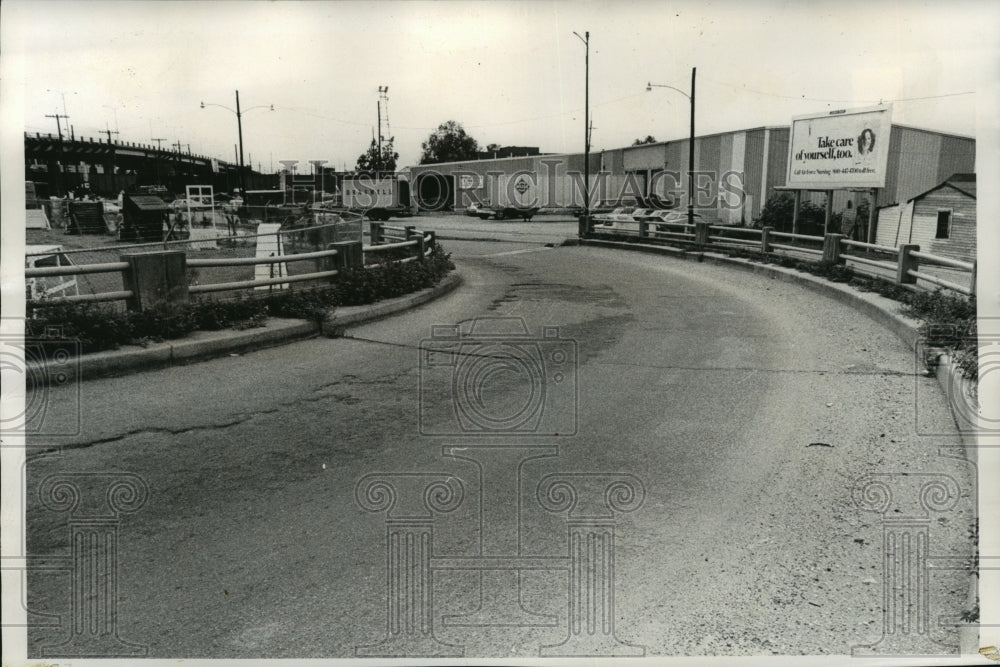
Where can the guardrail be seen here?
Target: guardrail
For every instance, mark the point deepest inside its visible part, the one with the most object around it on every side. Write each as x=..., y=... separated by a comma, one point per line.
x=906, y=264
x=417, y=245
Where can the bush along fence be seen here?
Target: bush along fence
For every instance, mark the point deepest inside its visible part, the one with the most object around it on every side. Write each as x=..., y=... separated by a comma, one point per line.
x=904, y=265
x=162, y=298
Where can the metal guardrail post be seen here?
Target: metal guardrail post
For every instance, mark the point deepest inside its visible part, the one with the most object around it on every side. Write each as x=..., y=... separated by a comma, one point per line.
x=432, y=240
x=155, y=278
x=906, y=263
x=643, y=229
x=377, y=232
x=765, y=239
x=408, y=231
x=585, y=226
x=831, y=248
x=349, y=255
x=421, y=243
x=701, y=232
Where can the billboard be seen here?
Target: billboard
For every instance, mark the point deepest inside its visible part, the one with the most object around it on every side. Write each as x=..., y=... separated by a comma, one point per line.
x=847, y=148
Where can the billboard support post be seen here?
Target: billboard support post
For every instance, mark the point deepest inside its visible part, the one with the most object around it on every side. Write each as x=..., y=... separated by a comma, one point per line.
x=795, y=211
x=828, y=212
x=871, y=215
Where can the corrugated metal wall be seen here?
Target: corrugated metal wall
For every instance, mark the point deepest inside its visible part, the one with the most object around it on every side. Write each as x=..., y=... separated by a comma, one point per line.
x=919, y=157
x=645, y=157
x=777, y=158
x=958, y=156
x=754, y=161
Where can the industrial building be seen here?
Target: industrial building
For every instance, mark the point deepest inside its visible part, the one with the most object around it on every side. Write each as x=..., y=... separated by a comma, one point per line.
x=735, y=173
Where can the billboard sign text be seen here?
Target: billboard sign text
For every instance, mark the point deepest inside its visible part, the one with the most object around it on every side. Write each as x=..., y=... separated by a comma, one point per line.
x=840, y=149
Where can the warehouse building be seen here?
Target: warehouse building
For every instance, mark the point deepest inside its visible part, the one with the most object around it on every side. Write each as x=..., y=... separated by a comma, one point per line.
x=735, y=173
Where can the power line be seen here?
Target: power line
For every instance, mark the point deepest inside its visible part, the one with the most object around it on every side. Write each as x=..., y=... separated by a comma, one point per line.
x=743, y=88
x=934, y=97
x=317, y=114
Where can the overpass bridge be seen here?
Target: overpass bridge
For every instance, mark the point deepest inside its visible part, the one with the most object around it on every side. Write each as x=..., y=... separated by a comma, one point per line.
x=108, y=167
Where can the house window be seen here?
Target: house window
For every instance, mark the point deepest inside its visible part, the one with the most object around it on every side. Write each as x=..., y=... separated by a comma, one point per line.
x=943, y=225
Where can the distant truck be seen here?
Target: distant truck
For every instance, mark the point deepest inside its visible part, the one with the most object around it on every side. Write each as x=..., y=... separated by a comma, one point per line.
x=377, y=197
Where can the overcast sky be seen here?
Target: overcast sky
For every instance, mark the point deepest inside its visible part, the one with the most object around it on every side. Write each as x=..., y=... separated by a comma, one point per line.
x=511, y=73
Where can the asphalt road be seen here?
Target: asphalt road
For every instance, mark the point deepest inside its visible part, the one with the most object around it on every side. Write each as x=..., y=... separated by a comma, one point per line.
x=730, y=415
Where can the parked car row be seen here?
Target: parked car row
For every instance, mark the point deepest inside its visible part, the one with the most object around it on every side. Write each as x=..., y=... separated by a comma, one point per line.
x=626, y=217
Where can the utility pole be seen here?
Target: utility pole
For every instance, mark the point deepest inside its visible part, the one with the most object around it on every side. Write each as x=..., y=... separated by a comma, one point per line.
x=239, y=127
x=383, y=95
x=57, y=116
x=159, y=143
x=180, y=159
x=111, y=148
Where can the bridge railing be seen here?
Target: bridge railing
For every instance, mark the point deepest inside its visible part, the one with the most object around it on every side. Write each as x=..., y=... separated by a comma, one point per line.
x=128, y=278
x=905, y=265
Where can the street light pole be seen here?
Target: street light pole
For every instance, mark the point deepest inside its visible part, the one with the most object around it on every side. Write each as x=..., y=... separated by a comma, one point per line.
x=586, y=128
x=690, y=188
x=239, y=127
x=691, y=155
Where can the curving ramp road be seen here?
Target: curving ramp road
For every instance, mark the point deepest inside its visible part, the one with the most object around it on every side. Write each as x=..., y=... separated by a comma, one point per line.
x=669, y=463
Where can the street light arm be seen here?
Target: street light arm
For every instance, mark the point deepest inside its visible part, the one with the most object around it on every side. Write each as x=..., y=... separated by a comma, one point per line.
x=223, y=106
x=650, y=86
x=269, y=107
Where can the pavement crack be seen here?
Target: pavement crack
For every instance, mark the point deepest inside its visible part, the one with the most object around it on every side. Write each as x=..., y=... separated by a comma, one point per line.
x=143, y=431
x=406, y=346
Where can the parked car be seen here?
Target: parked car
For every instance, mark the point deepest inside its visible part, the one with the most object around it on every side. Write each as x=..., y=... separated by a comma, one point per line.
x=619, y=218
x=507, y=213
x=664, y=217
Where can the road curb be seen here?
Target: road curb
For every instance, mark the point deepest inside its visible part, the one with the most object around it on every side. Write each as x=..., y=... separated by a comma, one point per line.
x=335, y=321
x=949, y=376
x=202, y=345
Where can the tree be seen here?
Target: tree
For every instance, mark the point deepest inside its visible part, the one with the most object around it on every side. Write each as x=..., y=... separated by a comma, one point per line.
x=371, y=161
x=650, y=139
x=449, y=143
x=778, y=211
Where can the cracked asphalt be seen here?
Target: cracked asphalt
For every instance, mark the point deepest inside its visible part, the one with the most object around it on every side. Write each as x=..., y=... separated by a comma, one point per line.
x=708, y=386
